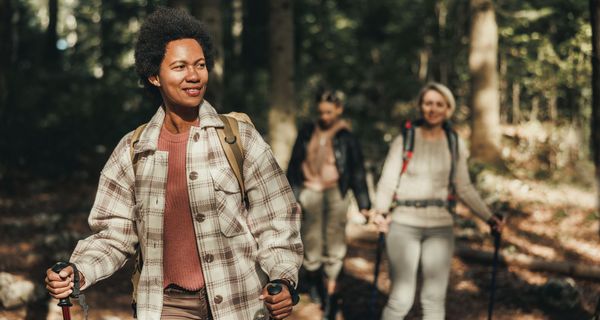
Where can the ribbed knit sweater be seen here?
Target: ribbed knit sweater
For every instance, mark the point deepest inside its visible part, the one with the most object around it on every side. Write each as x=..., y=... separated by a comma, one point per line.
x=181, y=263
x=426, y=177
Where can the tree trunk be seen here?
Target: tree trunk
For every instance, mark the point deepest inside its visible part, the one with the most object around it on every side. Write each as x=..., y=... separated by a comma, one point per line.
x=516, y=103
x=5, y=53
x=503, y=90
x=51, y=52
x=441, y=12
x=209, y=12
x=483, y=51
x=282, y=127
x=423, y=64
x=552, y=107
x=237, y=26
x=595, y=122
x=535, y=109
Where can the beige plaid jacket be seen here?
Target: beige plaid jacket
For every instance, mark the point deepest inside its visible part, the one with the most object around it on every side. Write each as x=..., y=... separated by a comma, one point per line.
x=240, y=248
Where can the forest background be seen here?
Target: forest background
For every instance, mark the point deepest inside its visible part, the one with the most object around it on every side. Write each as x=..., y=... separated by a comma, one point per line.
x=522, y=71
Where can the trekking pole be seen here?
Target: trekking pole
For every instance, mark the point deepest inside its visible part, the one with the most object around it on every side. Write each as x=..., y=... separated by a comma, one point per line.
x=379, y=253
x=497, y=235
x=64, y=303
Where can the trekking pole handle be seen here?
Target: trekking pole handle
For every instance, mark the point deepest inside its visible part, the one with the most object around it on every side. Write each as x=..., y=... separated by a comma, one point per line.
x=493, y=224
x=64, y=302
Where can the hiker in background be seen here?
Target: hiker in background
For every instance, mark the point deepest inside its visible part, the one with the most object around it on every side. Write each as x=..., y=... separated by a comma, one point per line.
x=414, y=202
x=207, y=252
x=326, y=162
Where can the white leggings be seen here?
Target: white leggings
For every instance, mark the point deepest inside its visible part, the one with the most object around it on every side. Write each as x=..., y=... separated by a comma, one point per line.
x=406, y=247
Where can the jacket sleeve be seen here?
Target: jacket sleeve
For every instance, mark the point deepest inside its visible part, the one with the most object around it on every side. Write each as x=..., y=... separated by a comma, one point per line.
x=389, y=176
x=294, y=169
x=464, y=188
x=111, y=220
x=358, y=175
x=273, y=214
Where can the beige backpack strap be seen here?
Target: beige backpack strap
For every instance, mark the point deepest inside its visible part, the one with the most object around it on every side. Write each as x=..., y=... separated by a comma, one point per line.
x=137, y=269
x=135, y=138
x=232, y=146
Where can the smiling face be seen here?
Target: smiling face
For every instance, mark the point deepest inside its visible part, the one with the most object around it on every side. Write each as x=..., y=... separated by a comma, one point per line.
x=434, y=108
x=182, y=76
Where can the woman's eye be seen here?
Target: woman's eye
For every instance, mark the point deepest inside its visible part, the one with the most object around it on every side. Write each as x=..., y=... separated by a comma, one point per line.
x=201, y=65
x=178, y=67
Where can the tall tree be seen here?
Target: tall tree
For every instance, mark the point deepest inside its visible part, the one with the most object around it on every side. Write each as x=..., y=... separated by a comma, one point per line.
x=595, y=125
x=51, y=52
x=209, y=12
x=282, y=128
x=5, y=52
x=485, y=101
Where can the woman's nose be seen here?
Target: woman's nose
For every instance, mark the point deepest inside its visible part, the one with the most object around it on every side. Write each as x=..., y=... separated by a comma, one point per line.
x=192, y=74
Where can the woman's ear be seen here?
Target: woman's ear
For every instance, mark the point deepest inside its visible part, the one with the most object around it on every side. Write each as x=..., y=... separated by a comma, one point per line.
x=154, y=80
x=339, y=109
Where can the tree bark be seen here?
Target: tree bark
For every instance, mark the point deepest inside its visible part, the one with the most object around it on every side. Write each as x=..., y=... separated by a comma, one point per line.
x=535, y=109
x=483, y=51
x=209, y=12
x=282, y=127
x=5, y=53
x=51, y=52
x=552, y=106
x=516, y=103
x=595, y=121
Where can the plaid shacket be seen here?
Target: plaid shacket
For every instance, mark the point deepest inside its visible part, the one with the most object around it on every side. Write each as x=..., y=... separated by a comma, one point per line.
x=240, y=249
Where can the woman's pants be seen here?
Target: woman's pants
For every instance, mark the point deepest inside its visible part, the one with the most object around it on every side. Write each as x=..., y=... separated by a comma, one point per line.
x=323, y=230
x=182, y=304
x=407, y=246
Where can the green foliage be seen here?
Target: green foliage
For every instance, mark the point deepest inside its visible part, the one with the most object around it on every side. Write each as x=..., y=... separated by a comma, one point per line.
x=63, y=116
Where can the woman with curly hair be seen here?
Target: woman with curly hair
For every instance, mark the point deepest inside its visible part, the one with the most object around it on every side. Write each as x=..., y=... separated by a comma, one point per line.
x=207, y=253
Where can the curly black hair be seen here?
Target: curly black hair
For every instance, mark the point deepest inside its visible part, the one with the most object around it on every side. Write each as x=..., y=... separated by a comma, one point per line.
x=161, y=27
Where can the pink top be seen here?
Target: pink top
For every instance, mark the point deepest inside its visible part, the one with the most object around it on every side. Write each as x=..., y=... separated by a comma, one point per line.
x=181, y=263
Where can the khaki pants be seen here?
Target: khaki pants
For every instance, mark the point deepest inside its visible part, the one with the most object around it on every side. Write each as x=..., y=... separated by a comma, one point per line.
x=181, y=304
x=323, y=230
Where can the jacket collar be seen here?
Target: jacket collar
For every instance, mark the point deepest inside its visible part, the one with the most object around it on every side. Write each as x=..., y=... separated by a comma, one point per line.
x=149, y=138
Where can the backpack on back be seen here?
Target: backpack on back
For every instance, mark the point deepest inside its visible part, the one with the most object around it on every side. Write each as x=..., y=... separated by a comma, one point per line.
x=229, y=136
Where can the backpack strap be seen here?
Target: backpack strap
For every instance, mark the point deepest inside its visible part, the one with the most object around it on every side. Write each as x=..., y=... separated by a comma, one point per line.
x=137, y=268
x=452, y=138
x=232, y=146
x=135, y=138
x=408, y=135
x=408, y=139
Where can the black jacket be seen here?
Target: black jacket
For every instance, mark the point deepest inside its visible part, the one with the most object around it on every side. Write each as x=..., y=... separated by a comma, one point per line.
x=348, y=160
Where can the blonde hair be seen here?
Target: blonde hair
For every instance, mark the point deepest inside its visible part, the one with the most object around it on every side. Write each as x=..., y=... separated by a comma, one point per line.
x=444, y=91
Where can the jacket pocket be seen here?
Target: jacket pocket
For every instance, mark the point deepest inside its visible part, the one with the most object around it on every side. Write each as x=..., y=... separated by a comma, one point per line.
x=229, y=203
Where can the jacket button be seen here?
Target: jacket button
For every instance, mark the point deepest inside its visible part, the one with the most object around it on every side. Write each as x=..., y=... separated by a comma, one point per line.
x=209, y=258
x=196, y=137
x=218, y=299
x=193, y=175
x=200, y=217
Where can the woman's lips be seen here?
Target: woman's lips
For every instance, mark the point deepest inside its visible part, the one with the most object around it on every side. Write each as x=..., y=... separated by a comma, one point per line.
x=193, y=92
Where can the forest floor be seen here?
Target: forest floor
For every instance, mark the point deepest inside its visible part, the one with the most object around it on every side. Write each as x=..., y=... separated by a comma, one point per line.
x=553, y=222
